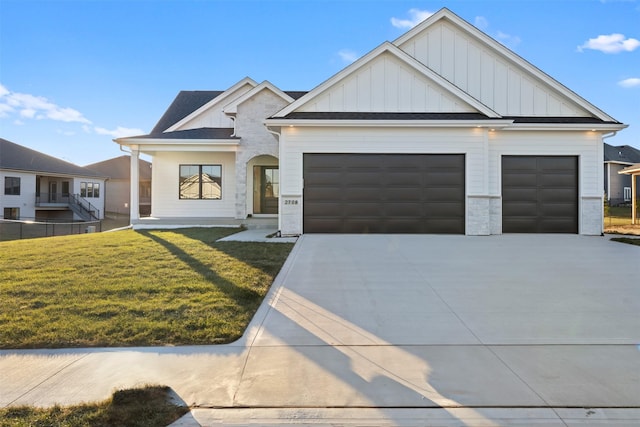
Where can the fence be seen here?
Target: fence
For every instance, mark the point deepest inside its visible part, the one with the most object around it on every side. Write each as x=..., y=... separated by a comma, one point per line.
x=15, y=230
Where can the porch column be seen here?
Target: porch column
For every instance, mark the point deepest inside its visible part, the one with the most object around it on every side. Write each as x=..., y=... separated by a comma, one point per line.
x=134, y=202
x=634, y=197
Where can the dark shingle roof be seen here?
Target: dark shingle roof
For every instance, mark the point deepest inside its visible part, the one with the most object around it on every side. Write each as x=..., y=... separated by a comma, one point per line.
x=120, y=168
x=185, y=103
x=295, y=94
x=17, y=157
x=383, y=116
x=622, y=153
x=200, y=133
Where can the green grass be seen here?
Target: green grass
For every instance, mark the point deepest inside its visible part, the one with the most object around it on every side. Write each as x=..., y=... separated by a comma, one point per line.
x=131, y=288
x=628, y=240
x=145, y=407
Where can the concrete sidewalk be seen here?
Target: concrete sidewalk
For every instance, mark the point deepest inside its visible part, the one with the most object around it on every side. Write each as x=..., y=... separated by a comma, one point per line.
x=398, y=330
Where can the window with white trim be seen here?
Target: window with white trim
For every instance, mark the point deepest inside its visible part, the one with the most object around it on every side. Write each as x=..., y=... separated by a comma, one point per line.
x=627, y=194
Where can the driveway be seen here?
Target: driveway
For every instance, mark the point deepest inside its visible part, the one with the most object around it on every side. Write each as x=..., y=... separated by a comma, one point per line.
x=494, y=330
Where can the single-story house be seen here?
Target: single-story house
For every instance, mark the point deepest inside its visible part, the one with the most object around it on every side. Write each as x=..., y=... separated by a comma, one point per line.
x=617, y=187
x=43, y=188
x=443, y=130
x=118, y=186
x=633, y=172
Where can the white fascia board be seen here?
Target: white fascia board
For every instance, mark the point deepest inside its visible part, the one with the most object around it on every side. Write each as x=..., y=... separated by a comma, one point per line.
x=179, y=141
x=402, y=56
x=617, y=162
x=595, y=127
x=507, y=53
x=232, y=108
x=215, y=101
x=491, y=124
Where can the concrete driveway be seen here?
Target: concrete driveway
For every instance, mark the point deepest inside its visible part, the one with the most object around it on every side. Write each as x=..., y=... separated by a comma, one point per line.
x=399, y=330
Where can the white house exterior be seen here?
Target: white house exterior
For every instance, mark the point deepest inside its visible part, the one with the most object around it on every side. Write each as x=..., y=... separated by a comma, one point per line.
x=444, y=130
x=41, y=187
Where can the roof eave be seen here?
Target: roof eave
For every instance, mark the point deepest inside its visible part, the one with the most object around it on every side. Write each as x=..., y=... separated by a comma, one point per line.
x=595, y=127
x=489, y=123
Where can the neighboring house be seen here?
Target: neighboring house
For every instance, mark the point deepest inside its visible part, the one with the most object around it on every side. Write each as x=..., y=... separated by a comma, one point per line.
x=617, y=187
x=44, y=188
x=118, y=191
x=633, y=172
x=445, y=130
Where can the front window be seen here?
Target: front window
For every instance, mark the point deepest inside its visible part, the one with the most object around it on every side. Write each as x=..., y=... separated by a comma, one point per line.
x=11, y=186
x=627, y=194
x=201, y=182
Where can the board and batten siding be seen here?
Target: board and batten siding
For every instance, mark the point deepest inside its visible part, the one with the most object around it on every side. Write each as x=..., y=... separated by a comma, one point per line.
x=165, y=190
x=586, y=145
x=479, y=70
x=472, y=142
x=386, y=84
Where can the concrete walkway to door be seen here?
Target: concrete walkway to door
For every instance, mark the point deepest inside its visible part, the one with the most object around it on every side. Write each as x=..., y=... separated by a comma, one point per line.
x=399, y=330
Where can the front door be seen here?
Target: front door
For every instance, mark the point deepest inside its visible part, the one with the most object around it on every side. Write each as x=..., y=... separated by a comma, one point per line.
x=267, y=181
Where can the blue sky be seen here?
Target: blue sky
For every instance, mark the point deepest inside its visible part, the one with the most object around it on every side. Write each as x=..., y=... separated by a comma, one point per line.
x=75, y=74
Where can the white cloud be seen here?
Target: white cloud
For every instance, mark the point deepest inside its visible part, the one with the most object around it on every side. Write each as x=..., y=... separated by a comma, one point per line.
x=632, y=82
x=481, y=22
x=119, y=132
x=508, y=40
x=36, y=107
x=416, y=16
x=348, y=55
x=18, y=122
x=612, y=43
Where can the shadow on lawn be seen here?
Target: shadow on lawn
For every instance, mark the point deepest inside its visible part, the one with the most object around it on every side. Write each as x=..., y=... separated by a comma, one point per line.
x=238, y=294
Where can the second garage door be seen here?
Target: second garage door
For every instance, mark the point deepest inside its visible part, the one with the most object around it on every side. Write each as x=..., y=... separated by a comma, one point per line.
x=539, y=194
x=384, y=193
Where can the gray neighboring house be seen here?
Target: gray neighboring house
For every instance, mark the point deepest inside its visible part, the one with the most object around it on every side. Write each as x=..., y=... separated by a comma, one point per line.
x=44, y=188
x=617, y=187
x=118, y=187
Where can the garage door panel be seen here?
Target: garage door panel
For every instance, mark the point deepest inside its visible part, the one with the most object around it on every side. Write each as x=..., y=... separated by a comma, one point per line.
x=395, y=197
x=540, y=194
x=520, y=195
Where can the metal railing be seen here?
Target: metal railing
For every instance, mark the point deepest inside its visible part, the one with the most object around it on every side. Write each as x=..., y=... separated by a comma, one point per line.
x=43, y=199
x=25, y=229
x=85, y=209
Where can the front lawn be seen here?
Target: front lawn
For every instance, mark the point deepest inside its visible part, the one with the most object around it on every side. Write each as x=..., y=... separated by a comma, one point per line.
x=128, y=288
x=145, y=407
x=628, y=240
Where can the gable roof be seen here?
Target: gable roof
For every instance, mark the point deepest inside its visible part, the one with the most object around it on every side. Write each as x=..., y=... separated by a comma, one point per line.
x=232, y=108
x=404, y=58
x=621, y=154
x=185, y=103
x=513, y=58
x=19, y=158
x=510, y=88
x=219, y=101
x=120, y=168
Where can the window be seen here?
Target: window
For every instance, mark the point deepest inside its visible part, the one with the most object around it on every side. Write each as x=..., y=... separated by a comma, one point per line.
x=201, y=182
x=627, y=194
x=11, y=213
x=11, y=186
x=90, y=189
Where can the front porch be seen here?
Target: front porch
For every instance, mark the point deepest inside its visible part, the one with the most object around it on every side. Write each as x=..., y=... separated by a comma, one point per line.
x=262, y=223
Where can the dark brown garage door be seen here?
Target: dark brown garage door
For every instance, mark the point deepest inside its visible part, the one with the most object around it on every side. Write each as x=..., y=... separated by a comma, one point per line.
x=539, y=194
x=384, y=193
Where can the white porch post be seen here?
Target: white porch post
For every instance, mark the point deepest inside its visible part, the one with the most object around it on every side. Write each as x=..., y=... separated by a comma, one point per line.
x=134, y=202
x=634, y=197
